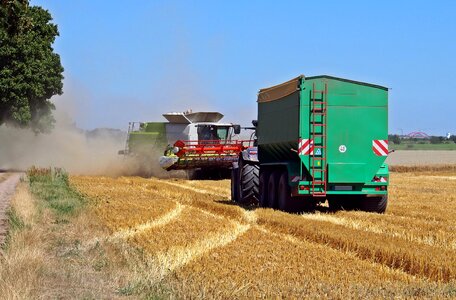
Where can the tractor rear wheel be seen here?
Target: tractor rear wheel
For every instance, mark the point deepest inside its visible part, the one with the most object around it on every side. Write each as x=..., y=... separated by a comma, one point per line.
x=273, y=183
x=235, y=184
x=376, y=204
x=284, y=194
x=249, y=183
x=263, y=197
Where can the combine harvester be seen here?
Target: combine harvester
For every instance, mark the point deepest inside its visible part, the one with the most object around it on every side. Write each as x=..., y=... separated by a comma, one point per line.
x=196, y=142
x=319, y=138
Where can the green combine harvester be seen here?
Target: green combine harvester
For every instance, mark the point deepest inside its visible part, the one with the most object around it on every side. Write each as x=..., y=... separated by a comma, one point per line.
x=144, y=138
x=318, y=138
x=190, y=141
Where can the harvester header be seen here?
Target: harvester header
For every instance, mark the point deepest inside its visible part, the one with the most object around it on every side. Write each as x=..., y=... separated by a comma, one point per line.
x=190, y=140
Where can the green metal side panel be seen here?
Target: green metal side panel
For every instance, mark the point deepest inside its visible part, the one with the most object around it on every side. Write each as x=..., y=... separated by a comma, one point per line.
x=151, y=138
x=156, y=127
x=278, y=129
x=357, y=114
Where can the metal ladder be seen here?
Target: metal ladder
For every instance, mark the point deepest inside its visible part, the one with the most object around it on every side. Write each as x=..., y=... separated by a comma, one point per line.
x=318, y=118
x=131, y=126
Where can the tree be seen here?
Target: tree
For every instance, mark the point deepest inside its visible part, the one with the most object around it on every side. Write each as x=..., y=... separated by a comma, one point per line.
x=453, y=138
x=394, y=138
x=436, y=140
x=30, y=71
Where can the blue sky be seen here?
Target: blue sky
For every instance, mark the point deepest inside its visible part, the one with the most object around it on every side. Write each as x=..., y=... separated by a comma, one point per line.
x=134, y=60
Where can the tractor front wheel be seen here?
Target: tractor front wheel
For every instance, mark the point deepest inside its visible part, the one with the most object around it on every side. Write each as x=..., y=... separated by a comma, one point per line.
x=249, y=183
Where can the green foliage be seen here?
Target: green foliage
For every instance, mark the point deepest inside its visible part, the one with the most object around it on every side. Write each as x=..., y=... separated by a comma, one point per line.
x=15, y=224
x=30, y=71
x=51, y=185
x=394, y=138
x=436, y=139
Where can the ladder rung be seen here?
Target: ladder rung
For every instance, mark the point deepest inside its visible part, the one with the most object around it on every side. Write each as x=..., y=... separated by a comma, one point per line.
x=319, y=147
x=319, y=91
x=319, y=194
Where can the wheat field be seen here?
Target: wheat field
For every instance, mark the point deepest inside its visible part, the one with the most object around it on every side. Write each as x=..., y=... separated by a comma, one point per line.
x=200, y=245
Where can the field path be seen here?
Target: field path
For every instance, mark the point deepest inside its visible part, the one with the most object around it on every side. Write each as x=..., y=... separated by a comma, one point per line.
x=7, y=189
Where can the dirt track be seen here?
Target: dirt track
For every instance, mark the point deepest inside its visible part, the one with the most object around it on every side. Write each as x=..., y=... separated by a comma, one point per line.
x=8, y=183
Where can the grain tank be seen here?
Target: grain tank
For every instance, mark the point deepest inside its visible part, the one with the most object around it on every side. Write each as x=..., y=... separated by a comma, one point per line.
x=321, y=138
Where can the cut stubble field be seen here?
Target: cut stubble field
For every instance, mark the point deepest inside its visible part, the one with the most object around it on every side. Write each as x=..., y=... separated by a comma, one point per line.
x=200, y=245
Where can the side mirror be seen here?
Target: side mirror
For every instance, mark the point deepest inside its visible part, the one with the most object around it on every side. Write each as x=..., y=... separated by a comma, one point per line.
x=237, y=129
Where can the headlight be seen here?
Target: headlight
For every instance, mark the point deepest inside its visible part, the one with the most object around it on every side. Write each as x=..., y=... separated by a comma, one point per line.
x=176, y=150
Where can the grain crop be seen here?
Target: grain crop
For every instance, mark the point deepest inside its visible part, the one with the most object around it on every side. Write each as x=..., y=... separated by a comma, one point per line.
x=207, y=247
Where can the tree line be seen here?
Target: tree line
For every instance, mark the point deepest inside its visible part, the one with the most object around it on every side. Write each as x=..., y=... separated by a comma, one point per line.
x=396, y=139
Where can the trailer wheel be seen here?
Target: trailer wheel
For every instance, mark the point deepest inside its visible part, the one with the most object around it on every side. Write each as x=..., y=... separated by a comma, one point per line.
x=191, y=174
x=249, y=183
x=284, y=194
x=263, y=197
x=374, y=204
x=344, y=202
x=273, y=183
x=235, y=184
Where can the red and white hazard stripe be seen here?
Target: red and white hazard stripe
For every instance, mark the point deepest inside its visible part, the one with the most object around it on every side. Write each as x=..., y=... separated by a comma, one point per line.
x=306, y=146
x=380, y=147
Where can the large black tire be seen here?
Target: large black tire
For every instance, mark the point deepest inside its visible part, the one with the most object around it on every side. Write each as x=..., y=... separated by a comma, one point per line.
x=343, y=202
x=192, y=174
x=250, y=183
x=273, y=184
x=374, y=204
x=284, y=194
x=235, y=184
x=263, y=197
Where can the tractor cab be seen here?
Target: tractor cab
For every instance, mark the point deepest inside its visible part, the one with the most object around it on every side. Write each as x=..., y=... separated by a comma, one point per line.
x=216, y=133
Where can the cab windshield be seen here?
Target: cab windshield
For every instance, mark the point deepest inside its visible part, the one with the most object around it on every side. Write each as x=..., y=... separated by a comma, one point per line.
x=212, y=133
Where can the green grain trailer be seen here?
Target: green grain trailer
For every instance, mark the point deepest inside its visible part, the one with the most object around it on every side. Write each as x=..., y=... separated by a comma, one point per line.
x=319, y=138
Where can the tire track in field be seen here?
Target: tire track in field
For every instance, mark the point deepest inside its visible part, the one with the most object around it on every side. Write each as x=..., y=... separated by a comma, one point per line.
x=126, y=233
x=391, y=262
x=369, y=227
x=194, y=189
x=178, y=257
x=161, y=221
x=251, y=218
x=294, y=240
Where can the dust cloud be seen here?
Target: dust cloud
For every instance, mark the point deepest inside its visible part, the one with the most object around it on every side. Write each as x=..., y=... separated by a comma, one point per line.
x=75, y=150
x=78, y=151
